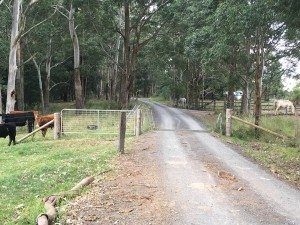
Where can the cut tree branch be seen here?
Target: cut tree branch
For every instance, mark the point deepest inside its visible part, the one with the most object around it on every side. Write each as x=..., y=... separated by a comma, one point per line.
x=49, y=202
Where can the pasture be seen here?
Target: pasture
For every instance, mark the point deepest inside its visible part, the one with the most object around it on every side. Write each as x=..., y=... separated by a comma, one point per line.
x=39, y=167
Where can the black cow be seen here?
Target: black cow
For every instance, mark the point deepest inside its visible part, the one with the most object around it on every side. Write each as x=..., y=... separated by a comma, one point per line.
x=8, y=129
x=20, y=119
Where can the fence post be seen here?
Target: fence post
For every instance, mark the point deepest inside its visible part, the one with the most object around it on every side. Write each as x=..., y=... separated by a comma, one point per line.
x=138, y=125
x=122, y=132
x=228, y=122
x=56, y=130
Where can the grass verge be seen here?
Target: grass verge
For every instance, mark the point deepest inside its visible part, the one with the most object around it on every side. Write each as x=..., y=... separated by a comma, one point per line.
x=40, y=167
x=281, y=157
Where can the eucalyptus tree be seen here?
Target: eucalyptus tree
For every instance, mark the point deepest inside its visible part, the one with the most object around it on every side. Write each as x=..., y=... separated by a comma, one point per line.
x=203, y=62
x=15, y=36
x=69, y=10
x=229, y=55
x=142, y=23
x=103, y=20
x=289, y=12
x=158, y=78
x=266, y=34
x=240, y=34
x=20, y=12
x=5, y=20
x=177, y=53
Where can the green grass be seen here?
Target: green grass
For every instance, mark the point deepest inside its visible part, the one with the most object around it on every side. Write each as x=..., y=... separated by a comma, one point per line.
x=279, y=157
x=39, y=167
x=284, y=125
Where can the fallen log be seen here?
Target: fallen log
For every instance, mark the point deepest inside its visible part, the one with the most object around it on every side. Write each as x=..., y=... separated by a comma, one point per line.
x=85, y=182
x=48, y=217
x=49, y=202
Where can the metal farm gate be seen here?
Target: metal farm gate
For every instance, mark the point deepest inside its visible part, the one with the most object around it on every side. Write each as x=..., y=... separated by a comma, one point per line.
x=92, y=121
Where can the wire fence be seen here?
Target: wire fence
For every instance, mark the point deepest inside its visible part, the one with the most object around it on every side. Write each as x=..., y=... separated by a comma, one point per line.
x=147, y=118
x=92, y=121
x=268, y=107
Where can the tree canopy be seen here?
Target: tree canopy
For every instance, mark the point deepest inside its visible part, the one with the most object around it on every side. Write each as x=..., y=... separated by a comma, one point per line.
x=175, y=48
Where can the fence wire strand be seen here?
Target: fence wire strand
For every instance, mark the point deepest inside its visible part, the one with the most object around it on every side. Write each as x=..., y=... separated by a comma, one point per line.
x=91, y=121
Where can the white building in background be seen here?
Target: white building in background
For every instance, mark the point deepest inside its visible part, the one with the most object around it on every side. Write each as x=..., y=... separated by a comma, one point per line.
x=237, y=95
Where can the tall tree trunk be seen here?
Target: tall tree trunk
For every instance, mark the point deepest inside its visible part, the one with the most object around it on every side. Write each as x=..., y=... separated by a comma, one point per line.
x=116, y=62
x=48, y=76
x=47, y=84
x=259, y=68
x=20, y=76
x=231, y=85
x=246, y=78
x=38, y=69
x=127, y=63
x=11, y=95
x=245, y=97
x=123, y=96
x=77, y=80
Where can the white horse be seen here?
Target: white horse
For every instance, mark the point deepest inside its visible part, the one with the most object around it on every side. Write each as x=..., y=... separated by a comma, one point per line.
x=182, y=102
x=284, y=104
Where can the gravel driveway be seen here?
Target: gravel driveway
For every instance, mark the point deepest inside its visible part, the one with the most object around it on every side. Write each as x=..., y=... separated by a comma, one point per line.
x=181, y=174
x=210, y=183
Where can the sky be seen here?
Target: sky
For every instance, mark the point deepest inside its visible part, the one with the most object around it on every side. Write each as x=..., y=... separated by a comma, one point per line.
x=288, y=82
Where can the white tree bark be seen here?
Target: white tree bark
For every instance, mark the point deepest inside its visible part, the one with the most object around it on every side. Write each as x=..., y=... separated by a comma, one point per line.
x=77, y=80
x=74, y=38
x=48, y=76
x=38, y=69
x=11, y=83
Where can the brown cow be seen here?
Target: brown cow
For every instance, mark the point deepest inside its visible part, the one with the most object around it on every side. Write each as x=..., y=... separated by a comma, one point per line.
x=42, y=120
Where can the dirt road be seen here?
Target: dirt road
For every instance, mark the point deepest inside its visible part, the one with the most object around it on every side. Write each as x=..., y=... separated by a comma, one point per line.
x=181, y=174
x=210, y=183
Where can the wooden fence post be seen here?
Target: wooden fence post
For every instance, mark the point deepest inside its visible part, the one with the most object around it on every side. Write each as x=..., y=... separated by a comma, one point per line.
x=228, y=122
x=56, y=130
x=122, y=132
x=138, y=128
